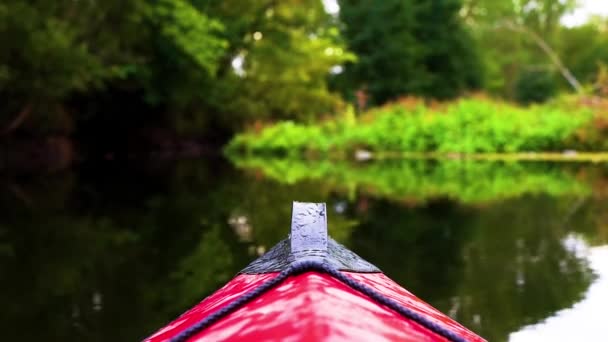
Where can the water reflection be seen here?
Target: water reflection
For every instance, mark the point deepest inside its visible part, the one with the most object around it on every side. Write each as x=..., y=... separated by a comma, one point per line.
x=114, y=251
x=585, y=321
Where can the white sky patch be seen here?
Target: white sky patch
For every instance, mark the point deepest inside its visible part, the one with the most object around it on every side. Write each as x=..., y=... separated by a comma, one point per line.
x=237, y=65
x=336, y=69
x=586, y=320
x=586, y=9
x=576, y=245
x=331, y=6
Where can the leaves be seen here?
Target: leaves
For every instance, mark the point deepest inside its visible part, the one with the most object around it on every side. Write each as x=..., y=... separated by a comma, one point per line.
x=467, y=126
x=408, y=47
x=191, y=31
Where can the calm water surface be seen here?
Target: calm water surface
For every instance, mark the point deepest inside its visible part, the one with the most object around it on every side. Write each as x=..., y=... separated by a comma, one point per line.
x=113, y=251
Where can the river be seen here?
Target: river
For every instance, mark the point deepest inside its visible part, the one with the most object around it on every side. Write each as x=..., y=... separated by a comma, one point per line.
x=111, y=251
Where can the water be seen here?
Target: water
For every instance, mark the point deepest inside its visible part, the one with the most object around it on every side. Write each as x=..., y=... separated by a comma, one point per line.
x=113, y=251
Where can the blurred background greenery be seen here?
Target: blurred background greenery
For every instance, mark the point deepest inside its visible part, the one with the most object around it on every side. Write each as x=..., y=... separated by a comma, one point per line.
x=149, y=149
x=87, y=79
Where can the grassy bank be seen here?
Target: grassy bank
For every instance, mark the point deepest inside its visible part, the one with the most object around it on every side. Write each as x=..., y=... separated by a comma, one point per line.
x=466, y=126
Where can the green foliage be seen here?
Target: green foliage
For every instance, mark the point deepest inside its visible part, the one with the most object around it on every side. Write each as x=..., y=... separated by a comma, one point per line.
x=43, y=53
x=204, y=68
x=504, y=32
x=172, y=57
x=583, y=48
x=265, y=60
x=285, y=50
x=535, y=86
x=466, y=126
x=53, y=50
x=191, y=31
x=408, y=47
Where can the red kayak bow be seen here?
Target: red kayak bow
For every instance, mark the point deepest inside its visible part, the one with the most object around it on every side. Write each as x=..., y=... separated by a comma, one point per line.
x=310, y=288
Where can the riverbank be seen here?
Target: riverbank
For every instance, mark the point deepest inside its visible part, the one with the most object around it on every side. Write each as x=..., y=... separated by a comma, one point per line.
x=52, y=153
x=475, y=127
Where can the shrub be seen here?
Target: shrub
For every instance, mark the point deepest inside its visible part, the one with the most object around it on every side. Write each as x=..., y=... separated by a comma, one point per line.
x=464, y=126
x=535, y=86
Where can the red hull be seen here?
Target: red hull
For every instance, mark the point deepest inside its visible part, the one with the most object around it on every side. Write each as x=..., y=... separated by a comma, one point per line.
x=312, y=307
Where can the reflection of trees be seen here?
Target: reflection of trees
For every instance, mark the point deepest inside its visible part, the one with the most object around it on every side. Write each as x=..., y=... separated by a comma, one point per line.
x=517, y=270
x=494, y=269
x=419, y=180
x=268, y=207
x=55, y=273
x=593, y=210
x=417, y=247
x=82, y=256
x=80, y=261
x=80, y=272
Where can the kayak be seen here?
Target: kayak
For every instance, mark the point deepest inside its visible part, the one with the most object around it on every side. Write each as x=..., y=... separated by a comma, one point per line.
x=310, y=288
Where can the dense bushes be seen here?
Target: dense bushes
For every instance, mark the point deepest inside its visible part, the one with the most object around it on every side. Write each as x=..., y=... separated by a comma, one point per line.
x=465, y=126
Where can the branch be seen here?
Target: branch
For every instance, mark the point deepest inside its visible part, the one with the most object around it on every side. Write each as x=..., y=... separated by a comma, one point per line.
x=17, y=121
x=549, y=51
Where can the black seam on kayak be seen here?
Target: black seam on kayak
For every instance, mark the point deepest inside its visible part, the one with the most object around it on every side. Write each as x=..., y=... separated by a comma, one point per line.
x=300, y=267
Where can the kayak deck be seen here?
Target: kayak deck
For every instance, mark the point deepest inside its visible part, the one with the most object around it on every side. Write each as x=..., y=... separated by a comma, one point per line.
x=312, y=307
x=310, y=288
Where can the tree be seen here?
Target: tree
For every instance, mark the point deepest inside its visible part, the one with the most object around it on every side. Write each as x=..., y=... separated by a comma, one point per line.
x=54, y=51
x=409, y=47
x=116, y=66
x=51, y=49
x=517, y=36
x=584, y=47
x=283, y=52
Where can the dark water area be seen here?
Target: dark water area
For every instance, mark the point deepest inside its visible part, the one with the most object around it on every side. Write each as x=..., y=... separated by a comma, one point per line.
x=112, y=251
